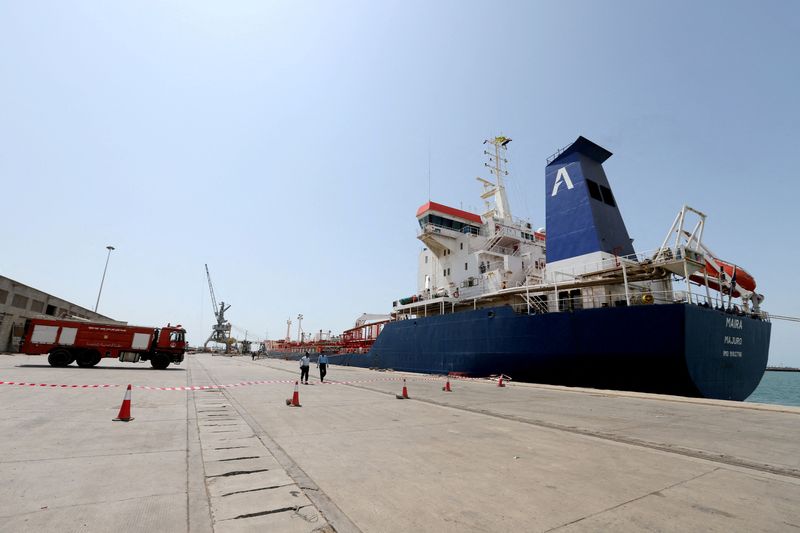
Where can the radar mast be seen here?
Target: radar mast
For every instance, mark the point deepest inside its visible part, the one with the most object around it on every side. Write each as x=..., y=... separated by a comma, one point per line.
x=494, y=192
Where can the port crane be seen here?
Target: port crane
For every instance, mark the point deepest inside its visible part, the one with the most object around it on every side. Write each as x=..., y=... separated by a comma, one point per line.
x=221, y=331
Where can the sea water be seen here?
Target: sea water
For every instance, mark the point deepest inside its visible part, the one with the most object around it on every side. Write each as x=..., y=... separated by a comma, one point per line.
x=782, y=388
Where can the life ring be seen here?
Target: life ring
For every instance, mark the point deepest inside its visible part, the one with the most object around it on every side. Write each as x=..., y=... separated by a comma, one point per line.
x=455, y=293
x=647, y=298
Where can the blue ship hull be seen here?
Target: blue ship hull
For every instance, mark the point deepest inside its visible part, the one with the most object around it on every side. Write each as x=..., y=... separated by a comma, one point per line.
x=677, y=349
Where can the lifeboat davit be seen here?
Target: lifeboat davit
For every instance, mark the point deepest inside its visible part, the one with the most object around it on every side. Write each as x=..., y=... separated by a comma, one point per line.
x=743, y=277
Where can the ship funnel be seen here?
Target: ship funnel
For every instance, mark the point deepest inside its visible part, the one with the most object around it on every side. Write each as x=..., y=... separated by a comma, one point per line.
x=582, y=216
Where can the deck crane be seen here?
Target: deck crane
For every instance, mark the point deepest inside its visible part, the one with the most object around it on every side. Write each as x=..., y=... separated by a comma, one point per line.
x=221, y=331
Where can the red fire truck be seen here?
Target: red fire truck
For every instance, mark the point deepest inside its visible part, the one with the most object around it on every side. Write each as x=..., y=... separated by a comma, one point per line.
x=68, y=341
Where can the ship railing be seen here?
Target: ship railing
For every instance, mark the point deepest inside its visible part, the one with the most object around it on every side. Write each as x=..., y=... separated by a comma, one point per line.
x=511, y=222
x=489, y=266
x=523, y=223
x=467, y=293
x=556, y=154
x=502, y=250
x=541, y=303
x=719, y=302
x=518, y=228
x=653, y=257
x=503, y=230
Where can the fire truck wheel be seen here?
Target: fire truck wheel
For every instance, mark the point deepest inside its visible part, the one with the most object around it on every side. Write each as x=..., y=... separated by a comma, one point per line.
x=159, y=362
x=59, y=357
x=88, y=359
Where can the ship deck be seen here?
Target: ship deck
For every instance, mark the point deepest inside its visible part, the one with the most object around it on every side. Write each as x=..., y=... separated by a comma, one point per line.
x=354, y=458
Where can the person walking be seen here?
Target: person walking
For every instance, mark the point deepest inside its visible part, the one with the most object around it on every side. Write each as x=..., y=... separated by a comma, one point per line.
x=322, y=364
x=304, y=362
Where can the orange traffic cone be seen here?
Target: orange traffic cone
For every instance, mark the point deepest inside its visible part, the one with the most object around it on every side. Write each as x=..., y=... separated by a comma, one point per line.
x=125, y=409
x=500, y=381
x=403, y=396
x=295, y=401
x=446, y=387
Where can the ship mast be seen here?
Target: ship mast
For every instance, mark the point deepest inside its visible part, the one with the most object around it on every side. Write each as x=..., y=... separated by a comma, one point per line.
x=498, y=167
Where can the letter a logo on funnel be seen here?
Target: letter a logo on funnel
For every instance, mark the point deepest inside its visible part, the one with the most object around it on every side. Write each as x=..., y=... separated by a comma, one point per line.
x=562, y=177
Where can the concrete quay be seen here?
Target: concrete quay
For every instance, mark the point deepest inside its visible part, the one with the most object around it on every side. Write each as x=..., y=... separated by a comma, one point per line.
x=354, y=458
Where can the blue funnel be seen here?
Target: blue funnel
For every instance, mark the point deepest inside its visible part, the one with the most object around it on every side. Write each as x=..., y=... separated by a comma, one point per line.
x=582, y=216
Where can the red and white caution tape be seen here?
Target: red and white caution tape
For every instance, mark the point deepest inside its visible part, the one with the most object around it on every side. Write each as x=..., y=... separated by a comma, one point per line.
x=269, y=382
x=226, y=386
x=56, y=385
x=207, y=387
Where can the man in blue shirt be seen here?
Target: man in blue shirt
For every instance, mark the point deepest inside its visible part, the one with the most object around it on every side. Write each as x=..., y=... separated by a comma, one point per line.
x=322, y=363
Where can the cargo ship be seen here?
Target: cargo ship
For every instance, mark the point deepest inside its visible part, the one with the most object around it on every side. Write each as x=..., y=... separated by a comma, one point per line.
x=356, y=340
x=571, y=303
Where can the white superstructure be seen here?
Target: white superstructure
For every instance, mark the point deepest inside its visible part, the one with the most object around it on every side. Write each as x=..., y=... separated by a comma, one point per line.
x=466, y=254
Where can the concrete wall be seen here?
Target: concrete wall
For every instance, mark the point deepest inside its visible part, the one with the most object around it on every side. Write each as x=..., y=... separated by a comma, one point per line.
x=19, y=302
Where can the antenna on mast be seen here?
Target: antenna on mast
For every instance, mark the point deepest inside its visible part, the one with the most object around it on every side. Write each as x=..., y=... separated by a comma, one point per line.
x=498, y=167
x=429, y=169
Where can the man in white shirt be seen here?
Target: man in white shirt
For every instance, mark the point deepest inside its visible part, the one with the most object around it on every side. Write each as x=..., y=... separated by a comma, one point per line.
x=304, y=363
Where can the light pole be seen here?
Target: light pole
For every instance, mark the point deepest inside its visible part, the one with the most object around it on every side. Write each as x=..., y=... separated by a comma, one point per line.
x=300, y=328
x=109, y=248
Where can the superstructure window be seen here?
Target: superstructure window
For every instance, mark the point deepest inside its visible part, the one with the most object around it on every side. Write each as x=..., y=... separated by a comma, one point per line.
x=575, y=299
x=601, y=193
x=607, y=196
x=437, y=220
x=570, y=300
x=465, y=266
x=594, y=190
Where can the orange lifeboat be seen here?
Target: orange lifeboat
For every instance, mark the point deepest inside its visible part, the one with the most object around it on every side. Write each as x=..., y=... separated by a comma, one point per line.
x=743, y=278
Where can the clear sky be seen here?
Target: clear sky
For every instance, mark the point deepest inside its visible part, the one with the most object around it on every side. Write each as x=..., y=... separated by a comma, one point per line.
x=286, y=144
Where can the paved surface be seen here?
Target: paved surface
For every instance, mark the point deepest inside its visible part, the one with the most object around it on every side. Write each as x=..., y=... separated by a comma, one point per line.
x=354, y=458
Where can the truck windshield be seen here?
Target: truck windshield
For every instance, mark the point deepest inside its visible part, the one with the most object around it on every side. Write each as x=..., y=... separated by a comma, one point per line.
x=176, y=336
